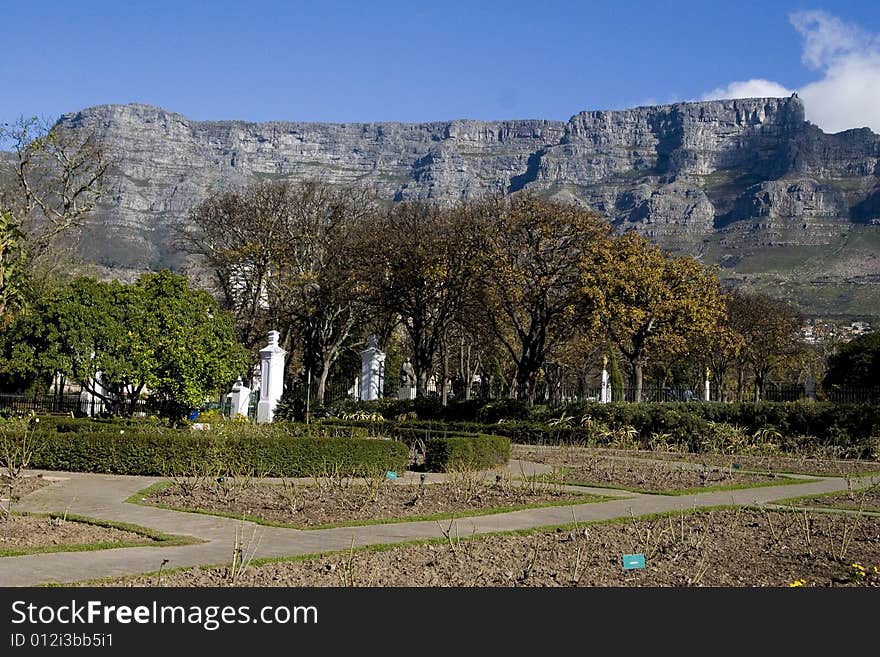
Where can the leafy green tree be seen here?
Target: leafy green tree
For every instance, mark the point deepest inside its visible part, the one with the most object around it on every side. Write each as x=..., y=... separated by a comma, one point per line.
x=856, y=363
x=183, y=339
x=157, y=335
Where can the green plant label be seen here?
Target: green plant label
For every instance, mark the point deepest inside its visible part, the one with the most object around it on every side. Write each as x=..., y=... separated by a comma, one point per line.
x=632, y=561
x=390, y=475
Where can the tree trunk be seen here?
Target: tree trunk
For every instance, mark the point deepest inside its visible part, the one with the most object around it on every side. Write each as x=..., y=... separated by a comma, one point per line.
x=421, y=382
x=637, y=380
x=444, y=372
x=322, y=381
x=718, y=394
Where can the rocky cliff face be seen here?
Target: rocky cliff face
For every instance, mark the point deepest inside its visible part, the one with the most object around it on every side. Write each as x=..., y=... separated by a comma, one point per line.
x=719, y=178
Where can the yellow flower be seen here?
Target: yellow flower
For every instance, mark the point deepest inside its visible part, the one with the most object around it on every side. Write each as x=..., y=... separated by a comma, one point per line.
x=798, y=582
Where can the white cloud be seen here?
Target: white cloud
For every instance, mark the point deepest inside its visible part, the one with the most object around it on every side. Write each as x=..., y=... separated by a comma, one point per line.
x=827, y=38
x=848, y=93
x=757, y=88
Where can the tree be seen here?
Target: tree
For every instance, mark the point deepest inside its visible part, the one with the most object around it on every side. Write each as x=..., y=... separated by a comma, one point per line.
x=615, y=377
x=119, y=341
x=532, y=276
x=282, y=258
x=183, y=340
x=651, y=303
x=58, y=176
x=420, y=262
x=856, y=363
x=722, y=348
x=770, y=330
x=12, y=267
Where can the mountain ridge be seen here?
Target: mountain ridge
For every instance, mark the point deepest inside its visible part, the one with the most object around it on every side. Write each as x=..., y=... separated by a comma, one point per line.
x=748, y=184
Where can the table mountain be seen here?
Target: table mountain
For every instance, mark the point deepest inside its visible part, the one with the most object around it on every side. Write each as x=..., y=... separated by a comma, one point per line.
x=748, y=184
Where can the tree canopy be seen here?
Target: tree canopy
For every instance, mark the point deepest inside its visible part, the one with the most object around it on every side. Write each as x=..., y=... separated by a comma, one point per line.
x=651, y=303
x=156, y=335
x=856, y=363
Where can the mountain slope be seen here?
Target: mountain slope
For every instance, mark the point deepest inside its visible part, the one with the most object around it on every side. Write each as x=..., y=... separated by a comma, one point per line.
x=747, y=184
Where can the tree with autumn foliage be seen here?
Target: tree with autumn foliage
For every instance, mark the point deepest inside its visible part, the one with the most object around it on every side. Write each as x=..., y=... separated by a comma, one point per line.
x=535, y=249
x=770, y=335
x=649, y=302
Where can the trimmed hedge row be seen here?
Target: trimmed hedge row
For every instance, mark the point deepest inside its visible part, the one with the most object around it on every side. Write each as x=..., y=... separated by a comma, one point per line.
x=283, y=449
x=854, y=429
x=829, y=423
x=446, y=453
x=146, y=426
x=198, y=453
x=533, y=433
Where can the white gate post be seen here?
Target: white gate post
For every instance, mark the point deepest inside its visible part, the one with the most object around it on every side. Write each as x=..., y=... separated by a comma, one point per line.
x=271, y=377
x=240, y=399
x=605, y=394
x=372, y=371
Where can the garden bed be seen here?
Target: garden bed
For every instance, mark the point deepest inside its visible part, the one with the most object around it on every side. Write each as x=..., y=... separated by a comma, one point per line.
x=724, y=547
x=585, y=466
x=331, y=502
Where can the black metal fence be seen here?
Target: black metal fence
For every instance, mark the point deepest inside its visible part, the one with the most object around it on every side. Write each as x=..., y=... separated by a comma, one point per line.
x=73, y=403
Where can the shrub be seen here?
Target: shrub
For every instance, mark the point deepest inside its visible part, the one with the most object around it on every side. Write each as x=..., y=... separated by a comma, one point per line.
x=502, y=409
x=466, y=452
x=278, y=451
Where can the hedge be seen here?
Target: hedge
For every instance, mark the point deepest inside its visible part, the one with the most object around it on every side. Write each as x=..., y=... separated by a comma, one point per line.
x=199, y=453
x=282, y=449
x=469, y=447
x=854, y=429
x=466, y=452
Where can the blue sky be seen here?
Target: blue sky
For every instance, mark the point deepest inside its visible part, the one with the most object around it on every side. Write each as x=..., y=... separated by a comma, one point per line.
x=422, y=61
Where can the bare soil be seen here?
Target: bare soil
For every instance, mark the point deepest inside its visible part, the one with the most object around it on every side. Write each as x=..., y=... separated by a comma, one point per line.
x=730, y=548
x=763, y=462
x=586, y=466
x=349, y=501
x=18, y=532
x=863, y=499
x=24, y=531
x=15, y=488
x=738, y=548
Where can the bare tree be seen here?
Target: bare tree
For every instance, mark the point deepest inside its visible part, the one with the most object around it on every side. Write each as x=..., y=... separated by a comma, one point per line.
x=282, y=257
x=421, y=263
x=57, y=178
x=533, y=277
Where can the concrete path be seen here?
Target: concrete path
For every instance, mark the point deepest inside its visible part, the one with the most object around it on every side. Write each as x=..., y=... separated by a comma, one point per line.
x=102, y=497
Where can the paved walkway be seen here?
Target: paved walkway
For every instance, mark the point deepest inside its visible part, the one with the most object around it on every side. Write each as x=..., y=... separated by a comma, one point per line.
x=102, y=496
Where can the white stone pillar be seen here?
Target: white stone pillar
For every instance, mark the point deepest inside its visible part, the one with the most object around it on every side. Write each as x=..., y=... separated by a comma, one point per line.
x=707, y=388
x=372, y=371
x=605, y=394
x=239, y=399
x=271, y=377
